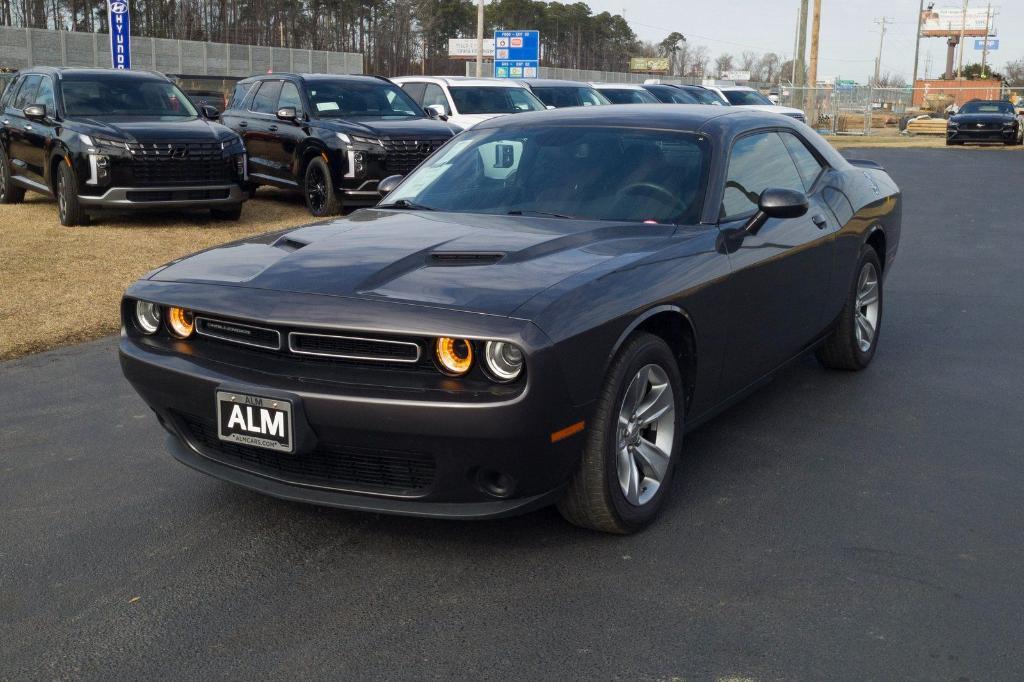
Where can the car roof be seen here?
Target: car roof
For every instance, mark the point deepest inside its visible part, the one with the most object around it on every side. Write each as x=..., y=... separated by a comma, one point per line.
x=618, y=86
x=355, y=78
x=681, y=117
x=554, y=83
x=62, y=71
x=735, y=88
x=462, y=80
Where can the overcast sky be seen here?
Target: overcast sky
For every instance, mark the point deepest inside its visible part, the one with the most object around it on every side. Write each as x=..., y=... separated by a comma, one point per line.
x=849, y=36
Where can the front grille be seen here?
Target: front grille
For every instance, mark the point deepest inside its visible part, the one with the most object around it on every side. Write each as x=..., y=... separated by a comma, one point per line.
x=405, y=154
x=237, y=332
x=179, y=163
x=353, y=347
x=329, y=465
x=182, y=195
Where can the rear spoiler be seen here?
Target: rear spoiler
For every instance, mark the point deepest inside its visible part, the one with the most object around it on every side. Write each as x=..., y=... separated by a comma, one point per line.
x=866, y=163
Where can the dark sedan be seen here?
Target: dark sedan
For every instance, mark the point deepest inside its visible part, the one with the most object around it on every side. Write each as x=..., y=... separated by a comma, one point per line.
x=985, y=121
x=535, y=315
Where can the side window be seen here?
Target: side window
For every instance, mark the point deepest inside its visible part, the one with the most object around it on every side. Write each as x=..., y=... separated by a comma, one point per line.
x=45, y=95
x=265, y=101
x=433, y=94
x=238, y=96
x=757, y=162
x=27, y=92
x=415, y=90
x=290, y=97
x=806, y=163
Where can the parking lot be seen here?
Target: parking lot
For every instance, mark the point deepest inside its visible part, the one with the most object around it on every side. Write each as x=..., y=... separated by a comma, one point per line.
x=832, y=525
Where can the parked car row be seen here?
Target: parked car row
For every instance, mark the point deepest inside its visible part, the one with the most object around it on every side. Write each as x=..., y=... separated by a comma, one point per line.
x=96, y=139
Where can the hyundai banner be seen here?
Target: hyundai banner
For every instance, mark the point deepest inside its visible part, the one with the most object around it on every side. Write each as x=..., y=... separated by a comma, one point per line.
x=120, y=34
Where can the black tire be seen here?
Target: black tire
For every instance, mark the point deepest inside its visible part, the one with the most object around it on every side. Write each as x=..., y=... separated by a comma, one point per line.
x=69, y=210
x=249, y=189
x=954, y=143
x=843, y=349
x=594, y=498
x=318, y=189
x=9, y=192
x=231, y=213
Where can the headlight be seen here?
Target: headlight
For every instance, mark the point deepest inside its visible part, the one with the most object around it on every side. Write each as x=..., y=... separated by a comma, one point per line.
x=349, y=139
x=455, y=356
x=234, y=145
x=504, y=360
x=101, y=142
x=180, y=322
x=147, y=316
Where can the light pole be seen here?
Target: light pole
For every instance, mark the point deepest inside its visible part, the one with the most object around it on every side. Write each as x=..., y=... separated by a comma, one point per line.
x=917, y=44
x=480, y=39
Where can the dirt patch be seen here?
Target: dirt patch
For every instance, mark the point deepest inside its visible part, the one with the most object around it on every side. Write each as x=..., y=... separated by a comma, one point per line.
x=62, y=285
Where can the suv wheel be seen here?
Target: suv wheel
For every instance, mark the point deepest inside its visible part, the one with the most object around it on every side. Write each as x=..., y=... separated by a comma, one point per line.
x=9, y=192
x=68, y=209
x=318, y=188
x=633, y=441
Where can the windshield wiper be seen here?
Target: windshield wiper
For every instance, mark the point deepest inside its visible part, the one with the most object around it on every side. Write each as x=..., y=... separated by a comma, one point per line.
x=407, y=205
x=541, y=213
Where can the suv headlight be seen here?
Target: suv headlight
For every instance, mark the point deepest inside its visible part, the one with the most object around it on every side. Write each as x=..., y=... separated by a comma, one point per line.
x=102, y=143
x=233, y=145
x=359, y=139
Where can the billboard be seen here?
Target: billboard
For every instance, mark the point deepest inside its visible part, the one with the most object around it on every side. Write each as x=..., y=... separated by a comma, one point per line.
x=120, y=34
x=736, y=75
x=649, y=64
x=465, y=48
x=951, y=21
x=993, y=44
x=516, y=54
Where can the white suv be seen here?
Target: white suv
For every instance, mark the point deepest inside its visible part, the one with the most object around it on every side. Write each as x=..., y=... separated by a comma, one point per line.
x=742, y=96
x=464, y=102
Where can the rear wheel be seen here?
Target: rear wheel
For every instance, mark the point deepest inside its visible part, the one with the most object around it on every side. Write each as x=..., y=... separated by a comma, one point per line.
x=69, y=210
x=9, y=192
x=633, y=441
x=853, y=342
x=318, y=188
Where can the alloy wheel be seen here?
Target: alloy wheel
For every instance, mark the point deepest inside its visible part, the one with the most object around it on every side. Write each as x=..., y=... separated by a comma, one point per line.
x=645, y=434
x=868, y=306
x=316, y=190
x=62, y=200
x=3, y=183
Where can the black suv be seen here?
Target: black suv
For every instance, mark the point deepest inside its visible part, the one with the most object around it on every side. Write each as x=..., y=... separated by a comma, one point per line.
x=101, y=138
x=332, y=137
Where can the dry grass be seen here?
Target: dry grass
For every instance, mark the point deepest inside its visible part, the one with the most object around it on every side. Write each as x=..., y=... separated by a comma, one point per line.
x=61, y=285
x=904, y=142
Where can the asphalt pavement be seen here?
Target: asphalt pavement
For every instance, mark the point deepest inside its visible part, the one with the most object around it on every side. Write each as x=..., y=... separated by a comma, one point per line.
x=831, y=526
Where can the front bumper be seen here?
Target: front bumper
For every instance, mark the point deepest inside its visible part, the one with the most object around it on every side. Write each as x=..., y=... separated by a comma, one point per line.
x=399, y=454
x=1004, y=135
x=199, y=196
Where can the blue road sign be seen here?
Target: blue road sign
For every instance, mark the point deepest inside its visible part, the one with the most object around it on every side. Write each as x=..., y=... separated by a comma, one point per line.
x=516, y=54
x=993, y=44
x=120, y=34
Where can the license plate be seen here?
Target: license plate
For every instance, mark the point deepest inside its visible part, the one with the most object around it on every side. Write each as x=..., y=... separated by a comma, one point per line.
x=255, y=420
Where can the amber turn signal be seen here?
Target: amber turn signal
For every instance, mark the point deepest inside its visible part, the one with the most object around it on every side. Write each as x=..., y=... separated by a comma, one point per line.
x=455, y=356
x=179, y=321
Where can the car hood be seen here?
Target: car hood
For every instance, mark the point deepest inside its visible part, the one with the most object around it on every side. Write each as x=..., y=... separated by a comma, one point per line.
x=152, y=129
x=982, y=118
x=409, y=127
x=469, y=120
x=470, y=262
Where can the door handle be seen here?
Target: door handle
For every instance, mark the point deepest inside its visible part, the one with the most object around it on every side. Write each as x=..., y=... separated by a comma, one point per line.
x=28, y=126
x=273, y=128
x=819, y=221
x=243, y=124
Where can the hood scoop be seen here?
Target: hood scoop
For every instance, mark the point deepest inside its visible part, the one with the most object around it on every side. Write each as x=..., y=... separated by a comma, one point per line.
x=289, y=244
x=456, y=258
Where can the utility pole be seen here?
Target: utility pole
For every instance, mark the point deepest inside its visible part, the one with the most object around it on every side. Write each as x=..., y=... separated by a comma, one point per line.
x=801, y=50
x=796, y=45
x=812, y=69
x=984, y=51
x=917, y=43
x=881, y=41
x=963, y=31
x=480, y=39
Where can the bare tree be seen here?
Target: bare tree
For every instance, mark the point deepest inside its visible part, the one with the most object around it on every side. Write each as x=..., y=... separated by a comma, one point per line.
x=723, y=63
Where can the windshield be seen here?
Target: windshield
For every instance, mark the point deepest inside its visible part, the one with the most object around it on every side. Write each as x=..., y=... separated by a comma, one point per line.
x=586, y=172
x=741, y=98
x=569, y=96
x=355, y=99
x=987, y=108
x=670, y=95
x=471, y=99
x=629, y=96
x=123, y=96
x=705, y=96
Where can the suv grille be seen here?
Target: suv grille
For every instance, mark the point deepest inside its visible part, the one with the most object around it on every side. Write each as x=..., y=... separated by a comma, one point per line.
x=156, y=164
x=329, y=465
x=405, y=154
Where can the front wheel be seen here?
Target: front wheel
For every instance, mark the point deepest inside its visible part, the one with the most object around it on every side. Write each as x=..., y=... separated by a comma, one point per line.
x=853, y=342
x=9, y=192
x=318, y=188
x=69, y=210
x=633, y=441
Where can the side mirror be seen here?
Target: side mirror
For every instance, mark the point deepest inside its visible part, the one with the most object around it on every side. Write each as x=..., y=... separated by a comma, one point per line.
x=436, y=111
x=550, y=106
x=35, y=112
x=777, y=203
x=287, y=113
x=388, y=184
x=209, y=112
